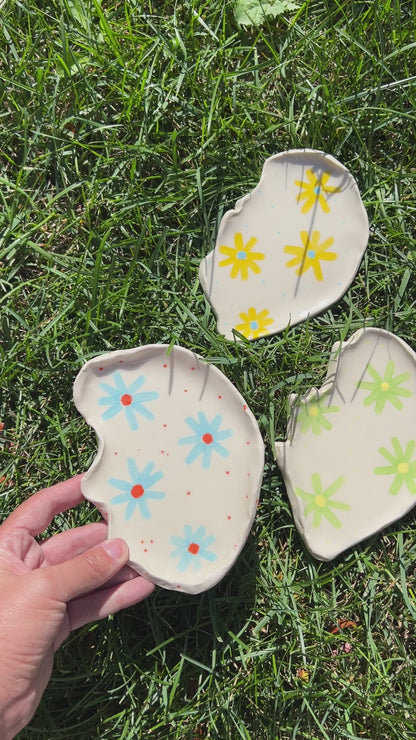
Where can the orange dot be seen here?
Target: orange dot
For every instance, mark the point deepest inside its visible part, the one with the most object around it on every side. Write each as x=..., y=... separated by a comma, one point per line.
x=126, y=399
x=137, y=491
x=207, y=438
x=193, y=548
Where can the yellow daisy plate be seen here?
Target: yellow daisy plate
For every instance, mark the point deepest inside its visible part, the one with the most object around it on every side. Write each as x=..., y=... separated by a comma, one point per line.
x=289, y=249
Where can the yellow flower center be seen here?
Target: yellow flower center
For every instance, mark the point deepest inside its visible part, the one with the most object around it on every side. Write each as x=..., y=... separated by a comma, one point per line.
x=313, y=410
x=403, y=468
x=385, y=386
x=320, y=501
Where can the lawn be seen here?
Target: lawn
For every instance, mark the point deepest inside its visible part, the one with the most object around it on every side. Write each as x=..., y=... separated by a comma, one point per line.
x=127, y=129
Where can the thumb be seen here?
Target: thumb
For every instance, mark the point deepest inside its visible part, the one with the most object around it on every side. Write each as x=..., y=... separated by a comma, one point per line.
x=85, y=572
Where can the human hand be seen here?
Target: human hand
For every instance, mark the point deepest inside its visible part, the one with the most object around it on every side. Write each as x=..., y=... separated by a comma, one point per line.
x=48, y=589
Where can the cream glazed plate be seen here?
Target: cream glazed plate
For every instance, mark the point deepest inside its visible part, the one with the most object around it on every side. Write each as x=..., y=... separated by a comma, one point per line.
x=349, y=462
x=289, y=249
x=179, y=463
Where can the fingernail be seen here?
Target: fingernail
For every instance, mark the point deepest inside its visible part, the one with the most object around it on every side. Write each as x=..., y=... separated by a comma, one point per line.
x=115, y=548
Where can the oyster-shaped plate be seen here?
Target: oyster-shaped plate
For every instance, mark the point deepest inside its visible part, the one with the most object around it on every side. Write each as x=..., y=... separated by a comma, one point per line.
x=289, y=249
x=349, y=462
x=179, y=463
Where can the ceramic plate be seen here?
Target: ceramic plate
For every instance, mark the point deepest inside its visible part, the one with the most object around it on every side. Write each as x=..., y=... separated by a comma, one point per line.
x=289, y=249
x=179, y=464
x=349, y=462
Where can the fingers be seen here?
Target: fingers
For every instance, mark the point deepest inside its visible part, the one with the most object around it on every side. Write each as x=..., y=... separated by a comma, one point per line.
x=108, y=601
x=66, y=545
x=35, y=514
x=83, y=573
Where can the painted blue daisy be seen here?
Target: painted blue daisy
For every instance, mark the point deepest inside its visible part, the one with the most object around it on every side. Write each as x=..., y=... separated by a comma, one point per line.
x=121, y=397
x=136, y=492
x=192, y=548
x=206, y=439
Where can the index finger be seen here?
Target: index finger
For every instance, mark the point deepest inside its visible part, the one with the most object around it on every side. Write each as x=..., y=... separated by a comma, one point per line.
x=36, y=514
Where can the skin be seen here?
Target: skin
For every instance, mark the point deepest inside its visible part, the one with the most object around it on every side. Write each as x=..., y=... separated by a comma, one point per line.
x=50, y=588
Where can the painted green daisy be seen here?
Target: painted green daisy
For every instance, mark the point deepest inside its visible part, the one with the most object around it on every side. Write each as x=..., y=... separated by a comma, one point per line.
x=319, y=502
x=312, y=415
x=401, y=466
x=386, y=388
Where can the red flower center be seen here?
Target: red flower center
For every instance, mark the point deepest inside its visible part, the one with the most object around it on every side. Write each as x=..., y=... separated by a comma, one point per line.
x=126, y=399
x=193, y=548
x=137, y=491
x=207, y=438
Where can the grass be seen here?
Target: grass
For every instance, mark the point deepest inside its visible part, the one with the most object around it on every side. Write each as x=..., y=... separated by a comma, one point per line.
x=127, y=129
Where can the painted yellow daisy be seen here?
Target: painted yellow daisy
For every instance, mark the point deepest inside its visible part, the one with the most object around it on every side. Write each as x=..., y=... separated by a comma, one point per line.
x=254, y=324
x=313, y=191
x=241, y=257
x=310, y=254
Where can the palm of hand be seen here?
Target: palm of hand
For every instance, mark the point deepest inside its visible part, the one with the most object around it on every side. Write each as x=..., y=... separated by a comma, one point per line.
x=49, y=589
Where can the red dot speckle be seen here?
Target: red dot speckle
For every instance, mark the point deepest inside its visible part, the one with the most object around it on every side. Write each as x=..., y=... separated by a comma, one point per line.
x=219, y=396
x=126, y=399
x=116, y=453
x=188, y=493
x=193, y=548
x=247, y=443
x=165, y=365
x=185, y=390
x=192, y=368
x=101, y=368
x=151, y=542
x=164, y=426
x=121, y=362
x=245, y=407
x=207, y=438
x=145, y=549
x=142, y=542
x=228, y=517
x=227, y=472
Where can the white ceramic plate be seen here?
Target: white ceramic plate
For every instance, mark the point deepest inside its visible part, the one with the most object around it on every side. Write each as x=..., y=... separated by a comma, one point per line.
x=349, y=461
x=179, y=464
x=289, y=249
